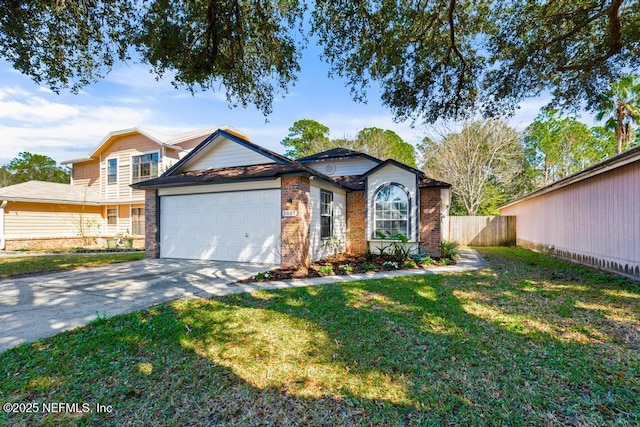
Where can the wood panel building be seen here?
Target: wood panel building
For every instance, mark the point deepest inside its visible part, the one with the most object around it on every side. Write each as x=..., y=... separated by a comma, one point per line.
x=592, y=217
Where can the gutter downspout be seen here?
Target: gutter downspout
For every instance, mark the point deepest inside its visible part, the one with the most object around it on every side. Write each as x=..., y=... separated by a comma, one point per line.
x=2, y=237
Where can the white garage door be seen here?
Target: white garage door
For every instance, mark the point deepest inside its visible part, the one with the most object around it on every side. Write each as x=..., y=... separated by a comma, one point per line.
x=236, y=226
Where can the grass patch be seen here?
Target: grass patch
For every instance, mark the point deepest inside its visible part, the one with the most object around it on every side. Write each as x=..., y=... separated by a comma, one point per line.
x=528, y=341
x=14, y=265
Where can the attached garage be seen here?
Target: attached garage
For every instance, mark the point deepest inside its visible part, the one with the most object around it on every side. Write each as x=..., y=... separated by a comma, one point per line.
x=231, y=200
x=241, y=226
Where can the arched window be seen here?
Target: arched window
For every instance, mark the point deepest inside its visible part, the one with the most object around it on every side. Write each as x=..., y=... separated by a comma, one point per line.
x=391, y=211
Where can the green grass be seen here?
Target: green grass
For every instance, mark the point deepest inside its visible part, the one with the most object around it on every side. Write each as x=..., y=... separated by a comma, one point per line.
x=528, y=341
x=14, y=265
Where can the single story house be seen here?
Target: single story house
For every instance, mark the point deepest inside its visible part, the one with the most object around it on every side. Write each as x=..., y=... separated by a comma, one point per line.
x=592, y=217
x=230, y=199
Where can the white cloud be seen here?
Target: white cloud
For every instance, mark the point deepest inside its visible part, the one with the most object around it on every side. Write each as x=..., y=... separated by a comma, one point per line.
x=33, y=109
x=61, y=131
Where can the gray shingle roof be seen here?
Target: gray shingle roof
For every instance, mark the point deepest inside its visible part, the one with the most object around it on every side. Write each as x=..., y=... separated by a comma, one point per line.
x=220, y=175
x=52, y=192
x=335, y=153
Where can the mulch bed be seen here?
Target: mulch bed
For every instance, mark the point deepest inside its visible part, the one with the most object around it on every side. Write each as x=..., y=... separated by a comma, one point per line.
x=337, y=264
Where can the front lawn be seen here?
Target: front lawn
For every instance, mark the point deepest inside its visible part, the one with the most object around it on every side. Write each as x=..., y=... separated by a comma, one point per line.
x=14, y=265
x=528, y=341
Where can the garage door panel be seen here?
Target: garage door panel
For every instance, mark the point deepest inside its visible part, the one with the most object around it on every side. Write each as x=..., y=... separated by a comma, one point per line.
x=241, y=226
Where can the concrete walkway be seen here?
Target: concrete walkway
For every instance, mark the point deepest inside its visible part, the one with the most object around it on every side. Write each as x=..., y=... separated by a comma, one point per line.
x=39, y=306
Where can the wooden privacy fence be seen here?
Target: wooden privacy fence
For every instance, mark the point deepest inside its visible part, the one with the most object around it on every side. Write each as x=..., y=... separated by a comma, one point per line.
x=483, y=230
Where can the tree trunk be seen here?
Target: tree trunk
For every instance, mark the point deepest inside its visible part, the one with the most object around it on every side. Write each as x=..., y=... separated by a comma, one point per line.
x=620, y=128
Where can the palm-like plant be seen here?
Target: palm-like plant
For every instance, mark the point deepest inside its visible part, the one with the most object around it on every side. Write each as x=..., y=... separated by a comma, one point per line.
x=621, y=105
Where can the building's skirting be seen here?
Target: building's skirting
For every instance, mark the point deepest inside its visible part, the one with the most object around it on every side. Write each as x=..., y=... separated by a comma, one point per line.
x=46, y=243
x=627, y=268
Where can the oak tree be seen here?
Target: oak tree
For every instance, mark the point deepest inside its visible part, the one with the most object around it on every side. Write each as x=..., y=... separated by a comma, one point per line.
x=447, y=58
x=434, y=59
x=248, y=49
x=29, y=167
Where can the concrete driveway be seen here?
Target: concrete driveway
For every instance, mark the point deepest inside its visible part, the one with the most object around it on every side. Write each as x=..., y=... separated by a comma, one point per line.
x=38, y=306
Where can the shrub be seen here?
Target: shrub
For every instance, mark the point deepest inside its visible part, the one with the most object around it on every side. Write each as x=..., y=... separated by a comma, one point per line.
x=426, y=260
x=449, y=250
x=325, y=270
x=368, y=267
x=409, y=264
x=262, y=276
x=390, y=265
x=368, y=254
x=399, y=249
x=423, y=259
x=346, y=269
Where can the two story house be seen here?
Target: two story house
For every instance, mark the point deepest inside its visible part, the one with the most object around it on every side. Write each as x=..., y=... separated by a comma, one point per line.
x=99, y=202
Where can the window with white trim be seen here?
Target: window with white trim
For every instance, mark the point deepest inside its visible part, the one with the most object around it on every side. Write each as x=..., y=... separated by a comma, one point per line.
x=112, y=171
x=326, y=214
x=391, y=211
x=137, y=221
x=112, y=216
x=144, y=167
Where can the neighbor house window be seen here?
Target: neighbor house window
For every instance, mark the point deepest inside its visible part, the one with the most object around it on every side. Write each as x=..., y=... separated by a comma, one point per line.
x=137, y=221
x=326, y=214
x=112, y=171
x=112, y=216
x=145, y=167
x=391, y=210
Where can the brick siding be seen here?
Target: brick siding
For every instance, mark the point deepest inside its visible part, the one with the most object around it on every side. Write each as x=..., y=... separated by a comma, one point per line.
x=45, y=243
x=356, y=223
x=430, y=233
x=152, y=247
x=294, y=251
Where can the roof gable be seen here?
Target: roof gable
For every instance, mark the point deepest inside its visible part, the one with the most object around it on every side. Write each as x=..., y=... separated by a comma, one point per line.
x=335, y=154
x=396, y=163
x=232, y=150
x=111, y=137
x=169, y=141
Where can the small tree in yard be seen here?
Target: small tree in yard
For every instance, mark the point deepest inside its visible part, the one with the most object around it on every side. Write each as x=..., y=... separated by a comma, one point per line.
x=481, y=162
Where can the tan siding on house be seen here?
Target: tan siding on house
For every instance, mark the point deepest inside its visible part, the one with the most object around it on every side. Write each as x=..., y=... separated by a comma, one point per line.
x=110, y=230
x=25, y=220
x=129, y=144
x=595, y=220
x=124, y=219
x=190, y=144
x=87, y=174
x=124, y=179
x=171, y=158
x=124, y=148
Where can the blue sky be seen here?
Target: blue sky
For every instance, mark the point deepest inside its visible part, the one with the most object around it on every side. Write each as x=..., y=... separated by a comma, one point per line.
x=68, y=126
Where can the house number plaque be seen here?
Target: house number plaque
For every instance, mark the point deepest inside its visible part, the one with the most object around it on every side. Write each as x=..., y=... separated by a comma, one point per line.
x=289, y=212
